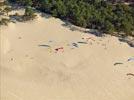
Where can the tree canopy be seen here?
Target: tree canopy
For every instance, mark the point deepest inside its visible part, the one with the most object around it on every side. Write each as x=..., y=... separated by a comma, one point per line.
x=97, y=14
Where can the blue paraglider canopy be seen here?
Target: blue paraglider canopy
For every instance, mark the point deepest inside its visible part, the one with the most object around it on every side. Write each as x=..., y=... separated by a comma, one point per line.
x=131, y=59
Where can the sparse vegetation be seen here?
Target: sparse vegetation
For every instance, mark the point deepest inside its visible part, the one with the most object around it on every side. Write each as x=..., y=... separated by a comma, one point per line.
x=29, y=14
x=4, y=10
x=7, y=9
x=4, y=21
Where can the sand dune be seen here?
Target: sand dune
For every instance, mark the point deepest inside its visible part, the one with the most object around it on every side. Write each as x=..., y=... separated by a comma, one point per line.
x=44, y=60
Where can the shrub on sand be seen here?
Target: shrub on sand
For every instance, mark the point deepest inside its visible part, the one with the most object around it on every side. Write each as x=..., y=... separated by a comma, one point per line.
x=29, y=14
x=4, y=21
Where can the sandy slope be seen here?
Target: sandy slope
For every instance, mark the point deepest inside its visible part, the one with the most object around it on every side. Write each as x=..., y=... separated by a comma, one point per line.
x=33, y=72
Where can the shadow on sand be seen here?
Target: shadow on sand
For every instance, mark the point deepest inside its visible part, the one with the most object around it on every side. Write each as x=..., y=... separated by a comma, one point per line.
x=76, y=28
x=128, y=40
x=47, y=16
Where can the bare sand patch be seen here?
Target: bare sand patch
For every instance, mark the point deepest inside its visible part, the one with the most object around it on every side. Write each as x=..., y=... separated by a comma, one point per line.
x=58, y=70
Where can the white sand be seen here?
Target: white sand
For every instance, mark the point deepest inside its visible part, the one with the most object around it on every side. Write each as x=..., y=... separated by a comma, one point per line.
x=32, y=72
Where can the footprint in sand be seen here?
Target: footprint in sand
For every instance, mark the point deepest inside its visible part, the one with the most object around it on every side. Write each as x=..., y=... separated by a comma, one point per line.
x=19, y=37
x=26, y=56
x=12, y=59
x=29, y=57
